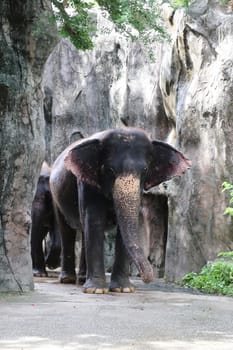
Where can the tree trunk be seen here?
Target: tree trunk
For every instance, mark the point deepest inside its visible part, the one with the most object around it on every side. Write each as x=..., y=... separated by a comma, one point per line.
x=25, y=42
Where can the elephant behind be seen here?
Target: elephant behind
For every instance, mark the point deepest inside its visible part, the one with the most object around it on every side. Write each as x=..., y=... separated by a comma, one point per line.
x=45, y=237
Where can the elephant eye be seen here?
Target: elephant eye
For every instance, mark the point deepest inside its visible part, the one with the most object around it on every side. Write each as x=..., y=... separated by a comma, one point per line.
x=112, y=170
x=107, y=170
x=144, y=171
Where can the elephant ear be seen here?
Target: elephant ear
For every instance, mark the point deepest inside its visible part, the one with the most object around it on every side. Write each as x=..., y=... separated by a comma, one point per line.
x=83, y=161
x=167, y=162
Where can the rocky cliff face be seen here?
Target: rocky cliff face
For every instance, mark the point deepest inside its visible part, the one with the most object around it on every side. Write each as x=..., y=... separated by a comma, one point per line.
x=114, y=84
x=196, y=80
x=24, y=48
x=185, y=96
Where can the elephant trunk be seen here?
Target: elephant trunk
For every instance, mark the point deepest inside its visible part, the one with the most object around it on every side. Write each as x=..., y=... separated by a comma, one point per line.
x=126, y=196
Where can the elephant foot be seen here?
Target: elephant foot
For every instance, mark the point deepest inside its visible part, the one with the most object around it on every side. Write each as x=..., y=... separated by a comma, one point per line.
x=53, y=261
x=81, y=279
x=52, y=267
x=39, y=273
x=66, y=277
x=95, y=286
x=96, y=290
x=130, y=289
x=121, y=285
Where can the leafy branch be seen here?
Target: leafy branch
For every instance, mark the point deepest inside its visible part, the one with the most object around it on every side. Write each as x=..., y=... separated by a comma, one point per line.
x=76, y=25
x=137, y=18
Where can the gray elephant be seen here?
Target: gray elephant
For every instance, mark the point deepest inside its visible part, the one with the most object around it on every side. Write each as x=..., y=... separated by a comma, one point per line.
x=98, y=181
x=44, y=226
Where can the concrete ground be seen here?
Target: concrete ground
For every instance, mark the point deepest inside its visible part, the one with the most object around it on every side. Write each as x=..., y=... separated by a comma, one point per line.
x=157, y=316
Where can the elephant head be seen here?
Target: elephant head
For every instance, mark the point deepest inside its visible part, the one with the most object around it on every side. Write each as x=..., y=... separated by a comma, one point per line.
x=122, y=163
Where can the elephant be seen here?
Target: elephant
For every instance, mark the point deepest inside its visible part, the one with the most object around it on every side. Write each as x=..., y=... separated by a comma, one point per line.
x=43, y=223
x=97, y=182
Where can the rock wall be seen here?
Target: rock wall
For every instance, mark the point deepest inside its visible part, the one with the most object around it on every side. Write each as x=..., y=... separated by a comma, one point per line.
x=185, y=97
x=114, y=84
x=24, y=47
x=196, y=79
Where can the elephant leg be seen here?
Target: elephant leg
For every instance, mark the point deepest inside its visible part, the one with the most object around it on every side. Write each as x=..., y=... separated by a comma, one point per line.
x=68, y=274
x=120, y=282
x=53, y=258
x=82, y=263
x=37, y=253
x=93, y=218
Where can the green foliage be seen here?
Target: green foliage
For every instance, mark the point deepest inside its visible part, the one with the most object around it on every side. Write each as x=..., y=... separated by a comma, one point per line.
x=226, y=254
x=180, y=3
x=137, y=18
x=76, y=25
x=144, y=16
x=228, y=187
x=215, y=277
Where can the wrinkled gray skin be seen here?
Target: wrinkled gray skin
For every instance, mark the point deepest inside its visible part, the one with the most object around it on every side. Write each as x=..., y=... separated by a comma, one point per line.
x=98, y=181
x=44, y=224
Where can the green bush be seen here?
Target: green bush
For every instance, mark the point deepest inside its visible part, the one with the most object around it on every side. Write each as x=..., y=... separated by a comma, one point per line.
x=215, y=277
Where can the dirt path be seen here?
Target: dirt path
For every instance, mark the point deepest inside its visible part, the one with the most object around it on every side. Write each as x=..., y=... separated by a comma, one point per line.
x=157, y=316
